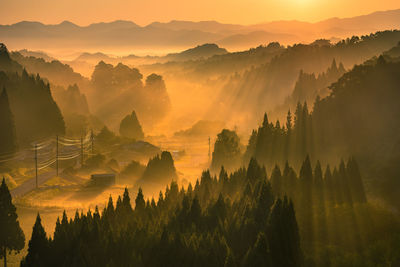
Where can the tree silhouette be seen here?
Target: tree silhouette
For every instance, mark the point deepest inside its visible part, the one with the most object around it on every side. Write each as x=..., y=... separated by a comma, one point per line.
x=8, y=138
x=130, y=127
x=139, y=201
x=38, y=246
x=226, y=150
x=12, y=237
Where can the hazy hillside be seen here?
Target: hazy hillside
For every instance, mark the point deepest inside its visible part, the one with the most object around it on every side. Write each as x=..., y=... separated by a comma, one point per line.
x=55, y=71
x=271, y=83
x=338, y=27
x=125, y=35
x=33, y=108
x=199, y=52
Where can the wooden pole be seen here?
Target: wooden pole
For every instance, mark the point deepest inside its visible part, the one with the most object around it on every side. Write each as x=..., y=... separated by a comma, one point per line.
x=209, y=149
x=92, y=139
x=36, y=168
x=57, y=155
x=81, y=151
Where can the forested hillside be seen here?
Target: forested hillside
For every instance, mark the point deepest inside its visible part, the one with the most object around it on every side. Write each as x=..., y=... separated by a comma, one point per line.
x=224, y=64
x=117, y=90
x=54, y=71
x=359, y=117
x=35, y=113
x=243, y=219
x=308, y=86
x=268, y=85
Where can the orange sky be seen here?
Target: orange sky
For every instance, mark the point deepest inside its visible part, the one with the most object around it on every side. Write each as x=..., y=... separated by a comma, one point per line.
x=84, y=12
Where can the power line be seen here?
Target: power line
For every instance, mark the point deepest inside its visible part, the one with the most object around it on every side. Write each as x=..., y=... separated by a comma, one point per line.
x=36, y=166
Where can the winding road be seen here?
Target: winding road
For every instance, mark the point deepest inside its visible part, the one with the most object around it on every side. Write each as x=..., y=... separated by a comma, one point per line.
x=30, y=184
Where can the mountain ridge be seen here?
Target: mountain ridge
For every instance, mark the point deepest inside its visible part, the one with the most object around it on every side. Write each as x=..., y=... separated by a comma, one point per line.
x=183, y=34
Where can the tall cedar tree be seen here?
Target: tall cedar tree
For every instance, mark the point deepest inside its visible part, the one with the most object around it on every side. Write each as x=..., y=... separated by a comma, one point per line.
x=8, y=137
x=38, y=246
x=12, y=237
x=130, y=127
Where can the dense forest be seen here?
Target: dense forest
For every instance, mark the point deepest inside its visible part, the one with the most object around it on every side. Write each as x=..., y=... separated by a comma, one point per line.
x=35, y=113
x=116, y=90
x=267, y=85
x=308, y=86
x=55, y=71
x=243, y=219
x=355, y=119
x=109, y=87
x=313, y=184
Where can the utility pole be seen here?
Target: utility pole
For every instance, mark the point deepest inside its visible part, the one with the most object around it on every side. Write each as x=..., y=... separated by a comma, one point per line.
x=92, y=140
x=81, y=151
x=57, y=155
x=209, y=149
x=36, y=170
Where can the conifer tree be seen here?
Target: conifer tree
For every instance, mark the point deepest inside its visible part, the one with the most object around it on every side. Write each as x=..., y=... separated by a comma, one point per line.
x=318, y=184
x=306, y=205
x=265, y=121
x=38, y=246
x=130, y=127
x=195, y=211
x=12, y=237
x=264, y=203
x=289, y=121
x=139, y=201
x=329, y=192
x=226, y=150
x=255, y=171
x=258, y=255
x=126, y=201
x=8, y=137
x=283, y=235
x=344, y=182
x=109, y=210
x=337, y=186
x=276, y=181
x=355, y=181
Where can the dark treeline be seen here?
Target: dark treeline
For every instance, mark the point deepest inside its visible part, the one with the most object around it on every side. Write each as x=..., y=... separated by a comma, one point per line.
x=268, y=84
x=35, y=112
x=226, y=151
x=33, y=109
x=309, y=85
x=69, y=90
x=245, y=218
x=232, y=220
x=206, y=69
x=56, y=72
x=355, y=119
x=130, y=127
x=159, y=170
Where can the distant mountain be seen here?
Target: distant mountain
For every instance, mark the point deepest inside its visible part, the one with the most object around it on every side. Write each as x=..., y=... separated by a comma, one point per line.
x=260, y=37
x=338, y=27
x=94, y=57
x=201, y=51
x=116, y=34
x=184, y=34
x=205, y=26
x=36, y=54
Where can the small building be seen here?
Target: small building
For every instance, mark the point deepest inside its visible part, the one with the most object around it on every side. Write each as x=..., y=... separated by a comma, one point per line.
x=101, y=180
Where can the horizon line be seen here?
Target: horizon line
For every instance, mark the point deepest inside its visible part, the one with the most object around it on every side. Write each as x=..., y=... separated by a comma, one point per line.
x=199, y=21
